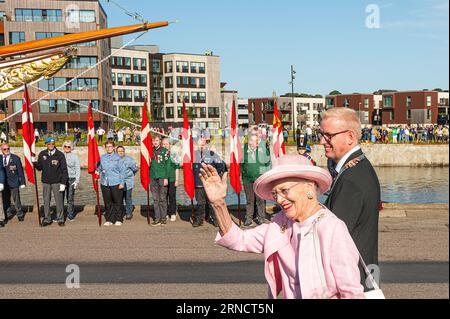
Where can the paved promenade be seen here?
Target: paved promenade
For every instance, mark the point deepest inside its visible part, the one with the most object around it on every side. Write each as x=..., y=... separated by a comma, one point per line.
x=177, y=261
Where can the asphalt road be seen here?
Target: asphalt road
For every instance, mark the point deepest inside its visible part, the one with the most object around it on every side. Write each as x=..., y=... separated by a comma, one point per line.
x=177, y=261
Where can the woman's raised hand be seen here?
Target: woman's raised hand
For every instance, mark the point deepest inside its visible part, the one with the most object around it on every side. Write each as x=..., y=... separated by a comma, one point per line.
x=215, y=186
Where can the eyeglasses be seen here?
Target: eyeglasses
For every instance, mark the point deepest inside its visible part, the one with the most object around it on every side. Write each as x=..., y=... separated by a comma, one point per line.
x=5, y=149
x=284, y=192
x=329, y=136
x=67, y=146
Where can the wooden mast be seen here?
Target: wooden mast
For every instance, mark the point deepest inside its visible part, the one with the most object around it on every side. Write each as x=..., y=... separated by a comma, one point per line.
x=75, y=38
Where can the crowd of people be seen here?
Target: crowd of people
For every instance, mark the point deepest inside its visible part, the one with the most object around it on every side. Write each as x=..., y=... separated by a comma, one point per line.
x=329, y=243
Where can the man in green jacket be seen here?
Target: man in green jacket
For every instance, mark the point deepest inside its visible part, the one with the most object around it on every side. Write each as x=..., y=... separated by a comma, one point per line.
x=256, y=162
x=159, y=180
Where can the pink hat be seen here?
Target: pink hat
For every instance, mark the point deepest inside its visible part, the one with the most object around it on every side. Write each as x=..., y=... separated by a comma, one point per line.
x=295, y=166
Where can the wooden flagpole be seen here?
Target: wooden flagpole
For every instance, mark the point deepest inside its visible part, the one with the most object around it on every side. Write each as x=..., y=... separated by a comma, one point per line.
x=148, y=205
x=239, y=209
x=99, y=213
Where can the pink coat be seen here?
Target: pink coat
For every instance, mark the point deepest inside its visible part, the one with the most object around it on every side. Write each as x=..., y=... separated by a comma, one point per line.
x=294, y=272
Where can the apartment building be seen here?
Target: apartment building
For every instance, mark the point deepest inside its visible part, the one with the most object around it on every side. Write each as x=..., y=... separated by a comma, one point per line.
x=242, y=109
x=307, y=109
x=443, y=114
x=411, y=107
x=26, y=20
x=366, y=105
x=130, y=78
x=261, y=111
x=194, y=79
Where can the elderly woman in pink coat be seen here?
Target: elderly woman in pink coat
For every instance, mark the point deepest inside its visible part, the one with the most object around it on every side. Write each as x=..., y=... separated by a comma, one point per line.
x=308, y=251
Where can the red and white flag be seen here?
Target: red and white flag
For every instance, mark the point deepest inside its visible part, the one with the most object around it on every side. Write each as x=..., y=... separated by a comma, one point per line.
x=146, y=149
x=277, y=133
x=235, y=154
x=188, y=156
x=29, y=146
x=93, y=154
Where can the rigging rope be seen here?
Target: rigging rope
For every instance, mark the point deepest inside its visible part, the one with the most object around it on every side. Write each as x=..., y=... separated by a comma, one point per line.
x=79, y=75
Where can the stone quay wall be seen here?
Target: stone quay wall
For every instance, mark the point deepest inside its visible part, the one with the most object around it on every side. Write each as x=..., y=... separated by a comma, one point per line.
x=386, y=155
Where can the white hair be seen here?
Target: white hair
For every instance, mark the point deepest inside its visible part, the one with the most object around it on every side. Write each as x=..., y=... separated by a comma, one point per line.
x=348, y=119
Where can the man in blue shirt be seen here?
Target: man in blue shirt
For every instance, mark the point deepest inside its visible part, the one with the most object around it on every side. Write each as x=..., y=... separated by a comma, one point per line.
x=130, y=170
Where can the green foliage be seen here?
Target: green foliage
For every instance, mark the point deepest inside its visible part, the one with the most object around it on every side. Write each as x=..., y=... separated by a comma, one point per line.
x=335, y=92
x=126, y=114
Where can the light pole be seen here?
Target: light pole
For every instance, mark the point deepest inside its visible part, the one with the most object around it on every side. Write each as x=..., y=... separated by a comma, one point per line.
x=294, y=119
x=359, y=111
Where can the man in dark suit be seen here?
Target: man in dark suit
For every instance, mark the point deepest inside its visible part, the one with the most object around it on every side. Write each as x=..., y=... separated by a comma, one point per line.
x=3, y=218
x=14, y=181
x=354, y=196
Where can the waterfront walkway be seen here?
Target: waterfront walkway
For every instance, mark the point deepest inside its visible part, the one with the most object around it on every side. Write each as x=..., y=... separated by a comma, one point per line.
x=177, y=261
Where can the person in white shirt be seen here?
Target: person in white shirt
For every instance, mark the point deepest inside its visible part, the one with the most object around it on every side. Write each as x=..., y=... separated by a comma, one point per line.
x=100, y=133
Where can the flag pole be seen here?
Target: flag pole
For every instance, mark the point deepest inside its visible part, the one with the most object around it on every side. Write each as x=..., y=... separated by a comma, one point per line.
x=36, y=193
x=31, y=138
x=148, y=205
x=239, y=208
x=99, y=213
x=192, y=211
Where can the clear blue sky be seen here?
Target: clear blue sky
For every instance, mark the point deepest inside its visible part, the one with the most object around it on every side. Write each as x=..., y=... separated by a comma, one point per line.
x=326, y=40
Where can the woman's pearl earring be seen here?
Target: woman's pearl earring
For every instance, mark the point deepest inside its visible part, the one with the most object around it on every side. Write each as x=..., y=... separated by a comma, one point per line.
x=310, y=195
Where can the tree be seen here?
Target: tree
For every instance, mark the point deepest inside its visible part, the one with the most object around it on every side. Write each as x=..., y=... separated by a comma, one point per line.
x=438, y=90
x=335, y=92
x=126, y=114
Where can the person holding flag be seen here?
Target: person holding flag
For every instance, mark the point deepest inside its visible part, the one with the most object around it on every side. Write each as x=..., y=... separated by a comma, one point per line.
x=256, y=162
x=174, y=170
x=53, y=165
x=74, y=171
x=112, y=181
x=159, y=181
x=204, y=155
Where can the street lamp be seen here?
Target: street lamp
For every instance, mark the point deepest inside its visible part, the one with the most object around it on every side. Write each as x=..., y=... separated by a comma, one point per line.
x=294, y=120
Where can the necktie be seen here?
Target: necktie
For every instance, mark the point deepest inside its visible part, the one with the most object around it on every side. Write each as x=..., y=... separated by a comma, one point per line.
x=332, y=168
x=5, y=161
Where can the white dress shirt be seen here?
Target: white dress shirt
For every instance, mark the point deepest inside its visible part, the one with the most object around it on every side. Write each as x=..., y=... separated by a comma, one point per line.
x=341, y=163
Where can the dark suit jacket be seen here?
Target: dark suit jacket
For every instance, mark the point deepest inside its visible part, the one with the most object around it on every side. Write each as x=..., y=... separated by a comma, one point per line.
x=14, y=171
x=356, y=200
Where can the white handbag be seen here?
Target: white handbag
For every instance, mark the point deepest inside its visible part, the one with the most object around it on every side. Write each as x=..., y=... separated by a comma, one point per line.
x=376, y=293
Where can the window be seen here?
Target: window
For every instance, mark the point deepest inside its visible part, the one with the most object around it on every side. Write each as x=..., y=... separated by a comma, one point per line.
x=46, y=35
x=79, y=84
x=429, y=114
x=169, y=67
x=125, y=95
x=428, y=101
x=127, y=79
x=182, y=67
x=408, y=114
x=156, y=97
x=17, y=105
x=366, y=103
x=366, y=117
x=202, y=112
x=387, y=101
x=81, y=15
x=391, y=116
x=136, y=64
x=156, y=66
x=346, y=103
x=185, y=96
x=16, y=37
x=193, y=82
x=201, y=68
x=81, y=62
x=38, y=15
x=113, y=77
x=213, y=112
x=202, y=83
x=202, y=97
x=169, y=82
x=139, y=95
x=169, y=113
x=408, y=102
x=169, y=97
x=119, y=79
